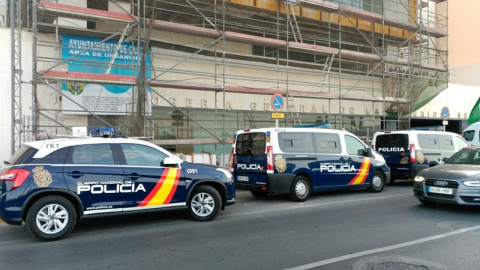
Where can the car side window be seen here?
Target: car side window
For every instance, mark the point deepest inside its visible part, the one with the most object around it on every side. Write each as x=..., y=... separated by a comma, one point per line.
x=97, y=154
x=328, y=143
x=428, y=141
x=468, y=135
x=354, y=146
x=446, y=142
x=56, y=157
x=296, y=142
x=460, y=142
x=142, y=155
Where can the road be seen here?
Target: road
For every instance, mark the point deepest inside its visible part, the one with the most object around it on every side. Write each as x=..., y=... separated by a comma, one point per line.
x=332, y=230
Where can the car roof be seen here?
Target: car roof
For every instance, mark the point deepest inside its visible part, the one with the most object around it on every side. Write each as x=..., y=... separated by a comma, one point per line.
x=412, y=132
x=291, y=129
x=46, y=147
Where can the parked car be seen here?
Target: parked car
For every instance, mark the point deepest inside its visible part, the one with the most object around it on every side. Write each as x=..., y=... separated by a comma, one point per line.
x=52, y=184
x=298, y=161
x=472, y=134
x=407, y=152
x=456, y=182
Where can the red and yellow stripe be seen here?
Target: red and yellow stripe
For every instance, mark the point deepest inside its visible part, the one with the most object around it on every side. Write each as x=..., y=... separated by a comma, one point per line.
x=362, y=173
x=164, y=190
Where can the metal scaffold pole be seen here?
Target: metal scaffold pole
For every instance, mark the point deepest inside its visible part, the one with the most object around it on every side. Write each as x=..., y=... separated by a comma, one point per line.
x=16, y=73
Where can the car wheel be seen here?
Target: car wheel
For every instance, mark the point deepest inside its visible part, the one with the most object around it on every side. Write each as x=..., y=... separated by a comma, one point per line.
x=300, y=190
x=259, y=194
x=51, y=218
x=204, y=203
x=377, y=183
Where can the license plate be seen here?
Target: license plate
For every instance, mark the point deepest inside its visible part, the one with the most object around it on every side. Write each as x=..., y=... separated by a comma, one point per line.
x=440, y=190
x=242, y=178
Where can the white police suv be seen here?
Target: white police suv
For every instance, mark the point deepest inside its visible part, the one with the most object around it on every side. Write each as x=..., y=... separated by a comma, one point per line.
x=52, y=184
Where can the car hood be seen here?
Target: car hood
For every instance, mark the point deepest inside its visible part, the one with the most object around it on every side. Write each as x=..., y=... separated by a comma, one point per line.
x=452, y=172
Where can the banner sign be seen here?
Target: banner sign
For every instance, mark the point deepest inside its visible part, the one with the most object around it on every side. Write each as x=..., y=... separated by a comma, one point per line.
x=101, y=99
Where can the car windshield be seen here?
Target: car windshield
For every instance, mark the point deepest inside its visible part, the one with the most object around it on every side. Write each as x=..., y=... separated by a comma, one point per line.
x=466, y=156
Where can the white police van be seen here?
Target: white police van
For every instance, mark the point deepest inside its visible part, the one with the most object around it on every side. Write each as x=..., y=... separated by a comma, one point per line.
x=407, y=152
x=299, y=161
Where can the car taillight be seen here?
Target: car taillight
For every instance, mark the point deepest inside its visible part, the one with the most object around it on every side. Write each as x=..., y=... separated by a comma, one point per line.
x=18, y=176
x=232, y=158
x=413, y=157
x=269, y=158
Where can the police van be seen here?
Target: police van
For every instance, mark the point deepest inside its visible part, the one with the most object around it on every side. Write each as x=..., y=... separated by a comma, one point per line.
x=298, y=161
x=52, y=184
x=407, y=152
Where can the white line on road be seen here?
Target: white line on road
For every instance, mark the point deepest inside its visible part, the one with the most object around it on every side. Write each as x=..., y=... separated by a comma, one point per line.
x=378, y=250
x=297, y=206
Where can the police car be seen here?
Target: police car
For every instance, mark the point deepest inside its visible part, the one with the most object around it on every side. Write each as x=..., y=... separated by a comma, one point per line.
x=298, y=161
x=52, y=184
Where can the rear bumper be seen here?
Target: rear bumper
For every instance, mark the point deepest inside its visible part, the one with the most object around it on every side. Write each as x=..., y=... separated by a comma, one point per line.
x=406, y=171
x=276, y=183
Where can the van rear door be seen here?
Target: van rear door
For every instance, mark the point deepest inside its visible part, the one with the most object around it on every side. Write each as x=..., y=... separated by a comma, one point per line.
x=250, y=160
x=395, y=149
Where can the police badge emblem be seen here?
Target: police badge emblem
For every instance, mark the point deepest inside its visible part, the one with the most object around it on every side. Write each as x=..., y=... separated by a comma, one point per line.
x=42, y=177
x=280, y=164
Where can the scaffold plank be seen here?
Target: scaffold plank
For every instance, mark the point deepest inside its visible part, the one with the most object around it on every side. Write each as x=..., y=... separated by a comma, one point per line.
x=83, y=13
x=88, y=77
x=251, y=39
x=311, y=48
x=362, y=14
x=319, y=4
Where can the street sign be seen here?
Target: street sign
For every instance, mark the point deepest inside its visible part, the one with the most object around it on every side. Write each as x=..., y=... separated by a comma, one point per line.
x=445, y=113
x=277, y=102
x=278, y=115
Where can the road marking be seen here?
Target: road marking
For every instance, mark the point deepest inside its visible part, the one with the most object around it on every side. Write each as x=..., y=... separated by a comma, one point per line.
x=378, y=250
x=296, y=206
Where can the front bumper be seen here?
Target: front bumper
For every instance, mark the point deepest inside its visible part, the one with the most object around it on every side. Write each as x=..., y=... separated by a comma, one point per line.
x=462, y=195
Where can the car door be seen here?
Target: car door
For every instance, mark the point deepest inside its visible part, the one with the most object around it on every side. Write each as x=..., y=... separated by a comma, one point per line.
x=359, y=165
x=96, y=176
x=331, y=166
x=153, y=185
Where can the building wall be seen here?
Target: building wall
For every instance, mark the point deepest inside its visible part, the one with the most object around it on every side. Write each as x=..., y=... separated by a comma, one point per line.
x=6, y=118
x=464, y=37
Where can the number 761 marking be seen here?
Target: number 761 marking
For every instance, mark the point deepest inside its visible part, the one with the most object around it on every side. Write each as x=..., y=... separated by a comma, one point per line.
x=51, y=145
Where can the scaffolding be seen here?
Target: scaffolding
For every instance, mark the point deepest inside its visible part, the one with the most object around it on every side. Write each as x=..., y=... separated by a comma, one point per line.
x=360, y=65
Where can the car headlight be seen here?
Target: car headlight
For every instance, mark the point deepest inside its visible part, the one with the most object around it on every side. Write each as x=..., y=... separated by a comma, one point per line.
x=472, y=183
x=227, y=173
x=419, y=178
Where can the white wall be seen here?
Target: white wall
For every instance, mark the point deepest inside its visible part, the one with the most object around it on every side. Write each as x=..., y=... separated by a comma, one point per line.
x=6, y=118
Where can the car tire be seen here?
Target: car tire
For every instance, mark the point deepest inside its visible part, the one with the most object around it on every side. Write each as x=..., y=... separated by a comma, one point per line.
x=377, y=183
x=300, y=190
x=51, y=218
x=204, y=203
x=259, y=194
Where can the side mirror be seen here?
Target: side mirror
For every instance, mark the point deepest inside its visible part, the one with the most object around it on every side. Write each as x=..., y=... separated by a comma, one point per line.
x=170, y=162
x=369, y=152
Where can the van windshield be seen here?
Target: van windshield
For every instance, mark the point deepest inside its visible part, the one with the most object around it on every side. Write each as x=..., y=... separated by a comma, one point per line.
x=250, y=144
x=391, y=140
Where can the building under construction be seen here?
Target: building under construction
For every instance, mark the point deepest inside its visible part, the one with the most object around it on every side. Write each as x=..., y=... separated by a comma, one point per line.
x=187, y=74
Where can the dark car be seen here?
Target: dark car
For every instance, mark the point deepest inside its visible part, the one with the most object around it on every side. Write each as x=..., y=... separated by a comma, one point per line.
x=52, y=184
x=457, y=181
